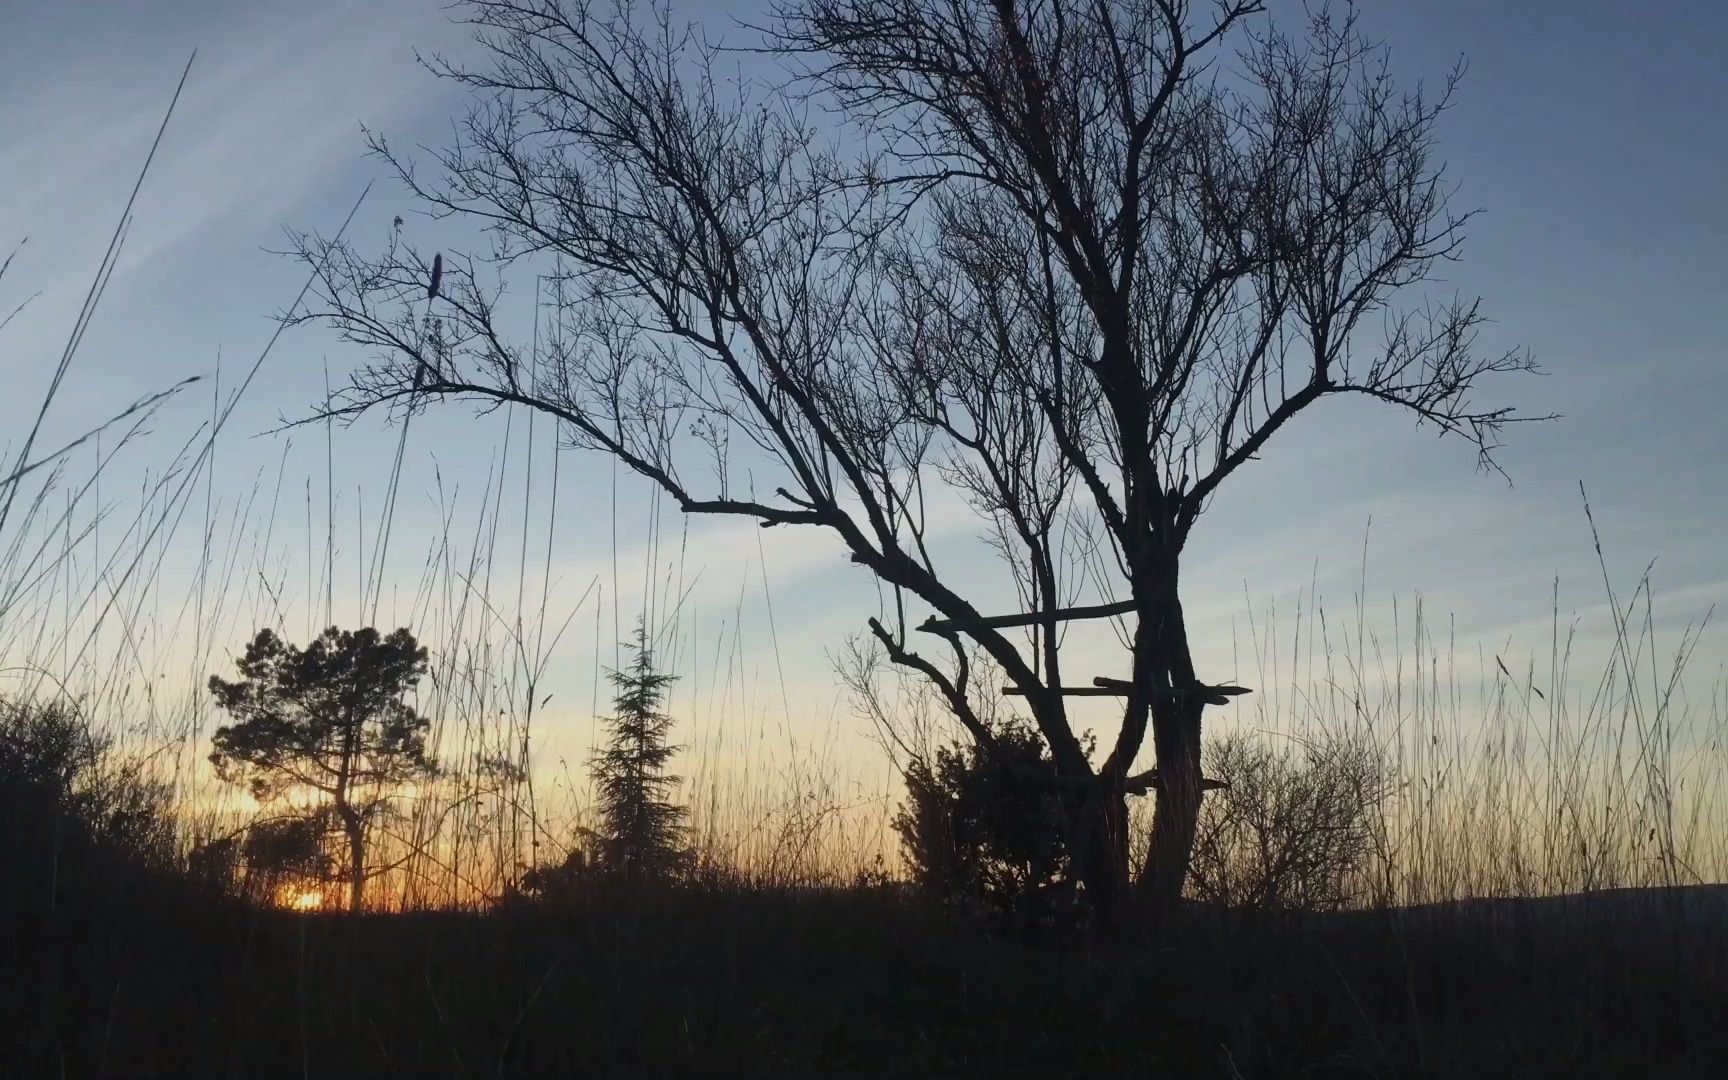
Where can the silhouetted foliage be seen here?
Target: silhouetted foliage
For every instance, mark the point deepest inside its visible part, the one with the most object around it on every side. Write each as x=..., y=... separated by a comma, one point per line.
x=642, y=832
x=288, y=849
x=73, y=810
x=217, y=866
x=1292, y=828
x=560, y=882
x=327, y=721
x=979, y=830
x=267, y=855
x=1090, y=260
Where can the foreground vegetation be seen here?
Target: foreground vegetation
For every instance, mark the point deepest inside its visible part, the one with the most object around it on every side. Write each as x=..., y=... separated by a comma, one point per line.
x=818, y=982
x=116, y=949
x=1503, y=870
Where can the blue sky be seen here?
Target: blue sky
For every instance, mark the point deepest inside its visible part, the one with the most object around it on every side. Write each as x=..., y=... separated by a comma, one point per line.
x=1590, y=134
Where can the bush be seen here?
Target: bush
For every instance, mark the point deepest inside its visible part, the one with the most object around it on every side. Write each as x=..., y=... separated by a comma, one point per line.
x=217, y=866
x=1291, y=830
x=258, y=862
x=562, y=882
x=72, y=809
x=981, y=832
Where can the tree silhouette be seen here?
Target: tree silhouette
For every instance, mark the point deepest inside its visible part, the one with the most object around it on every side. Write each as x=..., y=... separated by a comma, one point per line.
x=1084, y=261
x=643, y=830
x=327, y=721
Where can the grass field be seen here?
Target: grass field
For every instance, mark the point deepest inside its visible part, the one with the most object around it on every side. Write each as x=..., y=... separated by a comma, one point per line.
x=847, y=982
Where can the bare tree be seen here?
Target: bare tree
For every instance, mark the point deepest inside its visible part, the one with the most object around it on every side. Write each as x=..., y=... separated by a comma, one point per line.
x=1073, y=261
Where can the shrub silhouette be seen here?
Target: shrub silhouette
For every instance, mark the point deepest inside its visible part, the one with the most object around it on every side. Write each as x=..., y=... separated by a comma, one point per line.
x=74, y=812
x=216, y=866
x=985, y=832
x=1292, y=829
x=561, y=882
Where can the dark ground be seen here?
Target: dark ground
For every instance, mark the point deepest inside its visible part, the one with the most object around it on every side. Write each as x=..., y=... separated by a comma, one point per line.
x=863, y=983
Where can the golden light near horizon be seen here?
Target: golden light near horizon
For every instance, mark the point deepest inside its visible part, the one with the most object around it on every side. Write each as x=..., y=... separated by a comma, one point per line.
x=297, y=898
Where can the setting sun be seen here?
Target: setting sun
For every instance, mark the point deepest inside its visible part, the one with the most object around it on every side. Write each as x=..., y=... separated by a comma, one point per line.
x=303, y=899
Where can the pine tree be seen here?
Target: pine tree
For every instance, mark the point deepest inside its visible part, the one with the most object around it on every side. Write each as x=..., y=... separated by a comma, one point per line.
x=643, y=830
x=327, y=721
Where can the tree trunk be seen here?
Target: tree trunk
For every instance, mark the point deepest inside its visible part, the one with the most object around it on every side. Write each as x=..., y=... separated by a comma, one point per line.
x=1176, y=816
x=356, y=831
x=1101, y=849
x=1175, y=722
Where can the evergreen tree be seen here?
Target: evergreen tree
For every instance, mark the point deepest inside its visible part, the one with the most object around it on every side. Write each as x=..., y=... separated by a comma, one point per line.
x=643, y=830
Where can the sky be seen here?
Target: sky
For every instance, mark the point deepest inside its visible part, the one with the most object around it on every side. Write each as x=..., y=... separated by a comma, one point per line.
x=1590, y=134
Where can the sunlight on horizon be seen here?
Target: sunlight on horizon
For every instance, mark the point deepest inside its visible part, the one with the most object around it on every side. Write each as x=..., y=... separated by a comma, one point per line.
x=300, y=898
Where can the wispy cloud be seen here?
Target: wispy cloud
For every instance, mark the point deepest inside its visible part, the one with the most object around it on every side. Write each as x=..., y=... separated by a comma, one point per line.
x=271, y=111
